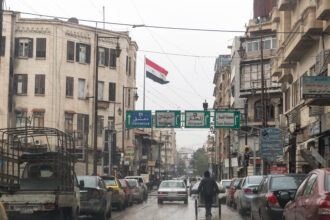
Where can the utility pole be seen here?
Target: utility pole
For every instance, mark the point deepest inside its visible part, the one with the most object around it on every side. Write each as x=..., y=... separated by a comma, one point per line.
x=229, y=155
x=1, y=21
x=95, y=104
x=159, y=156
x=263, y=103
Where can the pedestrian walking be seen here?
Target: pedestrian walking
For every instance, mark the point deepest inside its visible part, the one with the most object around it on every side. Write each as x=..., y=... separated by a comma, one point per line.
x=208, y=188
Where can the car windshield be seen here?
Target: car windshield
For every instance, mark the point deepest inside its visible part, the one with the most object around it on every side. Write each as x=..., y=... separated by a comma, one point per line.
x=254, y=180
x=171, y=185
x=132, y=183
x=327, y=182
x=90, y=181
x=285, y=182
x=110, y=182
x=226, y=183
x=236, y=183
x=123, y=183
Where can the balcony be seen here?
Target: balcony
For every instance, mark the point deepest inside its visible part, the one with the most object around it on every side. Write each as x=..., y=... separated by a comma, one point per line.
x=286, y=5
x=101, y=104
x=323, y=9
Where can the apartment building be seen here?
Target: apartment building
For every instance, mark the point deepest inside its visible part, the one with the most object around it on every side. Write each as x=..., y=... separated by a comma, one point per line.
x=47, y=79
x=303, y=50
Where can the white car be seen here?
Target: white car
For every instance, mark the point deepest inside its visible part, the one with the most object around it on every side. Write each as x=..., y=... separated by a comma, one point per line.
x=172, y=190
x=142, y=183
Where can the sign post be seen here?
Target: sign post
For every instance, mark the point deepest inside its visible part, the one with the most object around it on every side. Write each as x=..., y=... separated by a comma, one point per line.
x=168, y=119
x=138, y=119
x=226, y=119
x=197, y=119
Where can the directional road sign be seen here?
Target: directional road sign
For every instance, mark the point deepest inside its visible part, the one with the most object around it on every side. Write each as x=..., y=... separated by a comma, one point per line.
x=197, y=119
x=271, y=143
x=138, y=119
x=226, y=119
x=168, y=119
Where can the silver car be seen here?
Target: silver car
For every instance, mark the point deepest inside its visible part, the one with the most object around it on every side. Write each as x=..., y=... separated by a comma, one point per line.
x=137, y=190
x=244, y=195
x=172, y=190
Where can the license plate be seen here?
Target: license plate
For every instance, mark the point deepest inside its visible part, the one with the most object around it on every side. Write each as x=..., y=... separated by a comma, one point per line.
x=26, y=211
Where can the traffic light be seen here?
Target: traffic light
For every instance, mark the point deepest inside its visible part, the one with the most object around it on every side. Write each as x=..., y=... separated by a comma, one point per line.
x=246, y=149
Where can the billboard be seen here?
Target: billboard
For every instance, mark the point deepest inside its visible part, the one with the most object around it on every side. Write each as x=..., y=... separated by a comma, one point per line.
x=316, y=87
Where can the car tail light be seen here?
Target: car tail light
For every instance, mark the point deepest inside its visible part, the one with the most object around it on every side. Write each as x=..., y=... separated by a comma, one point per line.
x=324, y=207
x=50, y=206
x=160, y=193
x=247, y=191
x=96, y=194
x=273, y=201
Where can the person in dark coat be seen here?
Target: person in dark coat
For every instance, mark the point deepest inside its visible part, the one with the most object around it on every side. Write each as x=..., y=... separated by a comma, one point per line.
x=208, y=188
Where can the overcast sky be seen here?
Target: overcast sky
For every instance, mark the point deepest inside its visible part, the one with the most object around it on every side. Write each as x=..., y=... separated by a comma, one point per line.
x=191, y=78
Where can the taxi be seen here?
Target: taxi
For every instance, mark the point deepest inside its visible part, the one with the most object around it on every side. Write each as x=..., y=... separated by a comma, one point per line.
x=118, y=194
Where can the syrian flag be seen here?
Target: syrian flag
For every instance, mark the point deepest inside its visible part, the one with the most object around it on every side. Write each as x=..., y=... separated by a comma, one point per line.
x=155, y=72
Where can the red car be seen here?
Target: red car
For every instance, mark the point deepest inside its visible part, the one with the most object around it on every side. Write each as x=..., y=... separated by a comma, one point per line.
x=231, y=191
x=128, y=192
x=312, y=199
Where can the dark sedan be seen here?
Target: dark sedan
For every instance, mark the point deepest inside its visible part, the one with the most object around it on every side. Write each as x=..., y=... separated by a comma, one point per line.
x=312, y=199
x=95, y=199
x=268, y=204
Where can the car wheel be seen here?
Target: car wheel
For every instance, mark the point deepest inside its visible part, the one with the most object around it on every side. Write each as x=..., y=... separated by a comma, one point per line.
x=160, y=201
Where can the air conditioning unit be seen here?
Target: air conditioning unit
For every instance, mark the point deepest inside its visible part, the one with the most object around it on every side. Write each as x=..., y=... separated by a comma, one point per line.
x=37, y=142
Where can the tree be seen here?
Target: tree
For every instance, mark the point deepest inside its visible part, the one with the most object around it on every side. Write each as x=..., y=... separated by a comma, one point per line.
x=200, y=162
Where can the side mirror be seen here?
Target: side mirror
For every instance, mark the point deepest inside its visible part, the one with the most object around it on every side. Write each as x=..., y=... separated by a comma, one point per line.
x=81, y=183
x=286, y=196
x=255, y=191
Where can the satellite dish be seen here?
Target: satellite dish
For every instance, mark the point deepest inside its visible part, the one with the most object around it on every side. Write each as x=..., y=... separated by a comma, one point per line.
x=73, y=20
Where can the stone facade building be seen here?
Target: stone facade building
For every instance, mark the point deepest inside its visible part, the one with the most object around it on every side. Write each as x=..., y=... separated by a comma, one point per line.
x=47, y=79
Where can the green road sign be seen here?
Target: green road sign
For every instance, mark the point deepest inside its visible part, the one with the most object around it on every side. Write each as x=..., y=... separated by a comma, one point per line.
x=197, y=119
x=168, y=119
x=138, y=119
x=226, y=119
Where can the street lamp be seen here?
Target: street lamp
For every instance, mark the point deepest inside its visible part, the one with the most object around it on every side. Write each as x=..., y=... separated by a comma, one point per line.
x=118, y=52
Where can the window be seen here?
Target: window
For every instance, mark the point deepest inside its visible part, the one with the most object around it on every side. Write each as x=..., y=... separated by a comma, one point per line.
x=129, y=66
x=81, y=88
x=258, y=110
x=21, y=119
x=24, y=47
x=103, y=56
x=68, y=122
x=300, y=189
x=287, y=100
x=249, y=46
x=111, y=123
x=100, y=89
x=126, y=64
x=70, y=51
x=310, y=185
x=100, y=124
x=83, y=52
x=39, y=88
x=3, y=46
x=129, y=98
x=69, y=86
x=41, y=48
x=20, y=84
x=38, y=119
x=295, y=91
x=113, y=58
x=112, y=92
x=83, y=123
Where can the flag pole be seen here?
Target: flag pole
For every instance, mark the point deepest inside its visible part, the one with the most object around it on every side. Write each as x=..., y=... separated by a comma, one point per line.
x=144, y=84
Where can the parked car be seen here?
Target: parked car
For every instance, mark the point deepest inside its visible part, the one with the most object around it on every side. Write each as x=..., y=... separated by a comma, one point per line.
x=137, y=190
x=312, y=199
x=118, y=194
x=230, y=192
x=142, y=183
x=172, y=190
x=128, y=192
x=192, y=182
x=243, y=195
x=95, y=198
x=268, y=202
x=224, y=186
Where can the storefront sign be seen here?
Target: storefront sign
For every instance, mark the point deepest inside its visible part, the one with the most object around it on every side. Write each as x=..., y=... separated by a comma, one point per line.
x=151, y=163
x=278, y=170
x=316, y=87
x=314, y=128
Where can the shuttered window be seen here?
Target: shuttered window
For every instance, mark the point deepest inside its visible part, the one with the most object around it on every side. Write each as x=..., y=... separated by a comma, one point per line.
x=83, y=53
x=100, y=124
x=113, y=58
x=23, y=47
x=39, y=88
x=70, y=51
x=69, y=86
x=41, y=48
x=100, y=91
x=20, y=84
x=68, y=122
x=112, y=91
x=38, y=119
x=81, y=88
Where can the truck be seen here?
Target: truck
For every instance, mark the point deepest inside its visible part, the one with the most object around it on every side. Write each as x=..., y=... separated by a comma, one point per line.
x=37, y=174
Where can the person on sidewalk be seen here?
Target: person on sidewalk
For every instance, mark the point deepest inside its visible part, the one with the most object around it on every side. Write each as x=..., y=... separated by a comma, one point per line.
x=208, y=188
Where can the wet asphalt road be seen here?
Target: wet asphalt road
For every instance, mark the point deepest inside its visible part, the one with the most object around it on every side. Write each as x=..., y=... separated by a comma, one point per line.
x=151, y=210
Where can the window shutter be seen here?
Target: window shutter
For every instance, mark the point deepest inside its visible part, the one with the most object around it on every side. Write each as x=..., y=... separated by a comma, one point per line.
x=31, y=47
x=112, y=58
x=16, y=46
x=37, y=84
x=3, y=46
x=43, y=86
x=88, y=53
x=70, y=50
x=15, y=83
x=41, y=47
x=106, y=57
x=86, y=124
x=112, y=91
x=77, y=51
x=25, y=83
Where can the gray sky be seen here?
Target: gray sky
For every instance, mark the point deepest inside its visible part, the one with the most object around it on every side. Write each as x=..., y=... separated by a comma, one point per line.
x=191, y=78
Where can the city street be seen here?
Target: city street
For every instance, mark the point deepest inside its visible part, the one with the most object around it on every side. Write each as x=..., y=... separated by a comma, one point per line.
x=150, y=210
